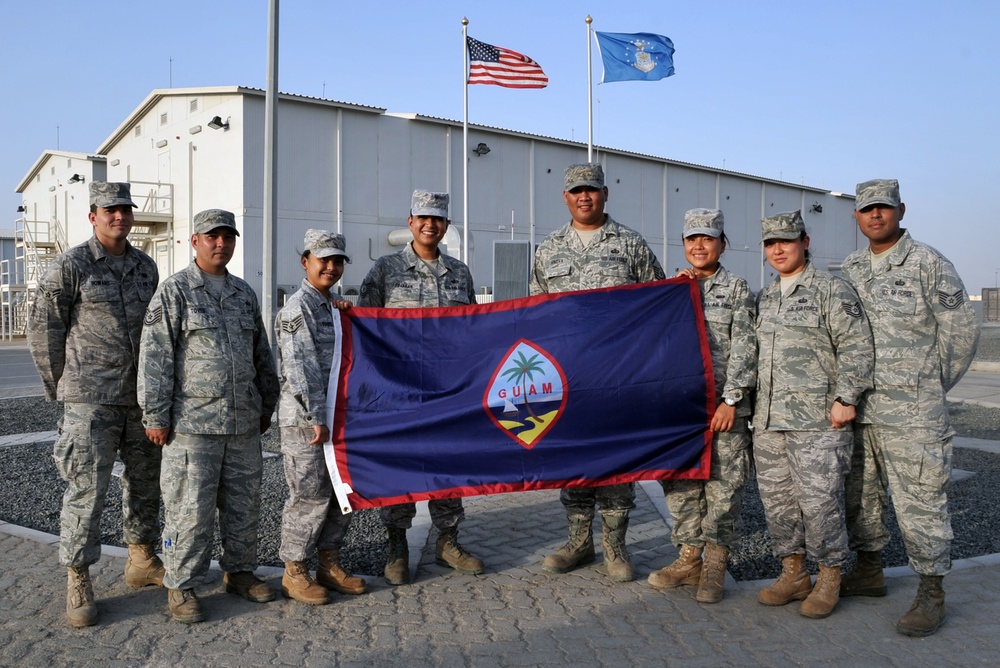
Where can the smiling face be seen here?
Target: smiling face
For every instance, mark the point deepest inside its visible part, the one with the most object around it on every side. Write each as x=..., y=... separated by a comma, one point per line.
x=586, y=206
x=111, y=226
x=214, y=249
x=703, y=252
x=787, y=256
x=427, y=231
x=880, y=224
x=323, y=272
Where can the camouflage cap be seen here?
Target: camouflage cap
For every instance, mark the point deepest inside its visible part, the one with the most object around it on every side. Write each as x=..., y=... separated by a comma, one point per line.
x=877, y=191
x=324, y=244
x=586, y=174
x=209, y=219
x=709, y=222
x=782, y=226
x=427, y=203
x=107, y=194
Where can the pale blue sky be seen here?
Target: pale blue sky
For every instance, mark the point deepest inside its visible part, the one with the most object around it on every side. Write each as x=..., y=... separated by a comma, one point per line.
x=826, y=94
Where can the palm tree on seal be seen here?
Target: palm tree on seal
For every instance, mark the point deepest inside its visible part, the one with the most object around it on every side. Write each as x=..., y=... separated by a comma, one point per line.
x=522, y=373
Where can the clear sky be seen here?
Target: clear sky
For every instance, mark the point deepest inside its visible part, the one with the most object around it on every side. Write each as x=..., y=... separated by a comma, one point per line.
x=821, y=93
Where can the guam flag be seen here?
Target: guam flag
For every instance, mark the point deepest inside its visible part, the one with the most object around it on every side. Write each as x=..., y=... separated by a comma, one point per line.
x=574, y=389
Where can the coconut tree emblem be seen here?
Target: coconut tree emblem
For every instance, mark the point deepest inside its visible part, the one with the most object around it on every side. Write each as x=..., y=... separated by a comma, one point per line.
x=523, y=372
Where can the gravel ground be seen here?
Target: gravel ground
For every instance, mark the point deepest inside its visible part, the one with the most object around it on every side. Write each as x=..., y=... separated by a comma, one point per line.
x=32, y=491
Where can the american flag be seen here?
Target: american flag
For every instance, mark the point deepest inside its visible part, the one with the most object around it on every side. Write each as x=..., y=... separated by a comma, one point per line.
x=502, y=67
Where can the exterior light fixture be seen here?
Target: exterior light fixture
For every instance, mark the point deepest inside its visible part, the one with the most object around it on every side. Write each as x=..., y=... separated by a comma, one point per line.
x=76, y=178
x=217, y=124
x=481, y=150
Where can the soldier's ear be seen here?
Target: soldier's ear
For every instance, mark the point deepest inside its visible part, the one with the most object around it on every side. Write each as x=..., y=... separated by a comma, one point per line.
x=902, y=210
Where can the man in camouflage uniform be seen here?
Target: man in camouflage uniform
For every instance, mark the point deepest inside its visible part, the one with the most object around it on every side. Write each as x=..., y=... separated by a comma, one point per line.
x=706, y=513
x=925, y=338
x=593, y=251
x=815, y=362
x=417, y=276
x=312, y=521
x=207, y=387
x=84, y=334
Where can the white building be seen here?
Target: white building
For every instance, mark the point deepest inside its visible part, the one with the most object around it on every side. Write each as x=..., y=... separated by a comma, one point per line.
x=351, y=168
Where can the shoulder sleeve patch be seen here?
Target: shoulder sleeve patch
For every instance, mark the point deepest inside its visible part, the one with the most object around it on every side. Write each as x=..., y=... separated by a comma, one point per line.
x=51, y=294
x=293, y=325
x=852, y=309
x=952, y=301
x=153, y=315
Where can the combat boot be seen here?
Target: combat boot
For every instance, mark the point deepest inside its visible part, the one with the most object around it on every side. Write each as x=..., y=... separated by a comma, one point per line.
x=249, y=586
x=927, y=612
x=449, y=552
x=824, y=595
x=143, y=568
x=184, y=606
x=712, y=582
x=332, y=575
x=616, y=561
x=298, y=585
x=867, y=578
x=794, y=583
x=685, y=570
x=397, y=564
x=578, y=550
x=81, y=610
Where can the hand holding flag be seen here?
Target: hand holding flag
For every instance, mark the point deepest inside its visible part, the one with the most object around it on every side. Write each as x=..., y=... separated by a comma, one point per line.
x=639, y=56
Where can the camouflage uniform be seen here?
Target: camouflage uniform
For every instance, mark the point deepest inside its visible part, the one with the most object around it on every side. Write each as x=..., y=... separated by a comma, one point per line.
x=206, y=372
x=925, y=338
x=404, y=280
x=709, y=510
x=815, y=346
x=616, y=255
x=311, y=518
x=83, y=333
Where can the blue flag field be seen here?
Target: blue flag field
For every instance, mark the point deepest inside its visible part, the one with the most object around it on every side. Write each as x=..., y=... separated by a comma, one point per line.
x=567, y=390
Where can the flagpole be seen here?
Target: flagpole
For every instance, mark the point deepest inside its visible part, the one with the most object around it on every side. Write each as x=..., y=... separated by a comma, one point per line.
x=590, y=95
x=465, y=142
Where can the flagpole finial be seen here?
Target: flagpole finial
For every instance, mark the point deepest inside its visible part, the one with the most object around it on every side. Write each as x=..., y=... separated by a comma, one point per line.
x=588, y=19
x=465, y=21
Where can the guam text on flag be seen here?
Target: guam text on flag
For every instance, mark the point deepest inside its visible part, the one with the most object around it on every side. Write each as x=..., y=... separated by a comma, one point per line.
x=573, y=389
x=640, y=55
x=502, y=67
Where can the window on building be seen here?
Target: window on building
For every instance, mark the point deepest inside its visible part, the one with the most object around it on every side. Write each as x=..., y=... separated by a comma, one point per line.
x=163, y=118
x=194, y=105
x=138, y=131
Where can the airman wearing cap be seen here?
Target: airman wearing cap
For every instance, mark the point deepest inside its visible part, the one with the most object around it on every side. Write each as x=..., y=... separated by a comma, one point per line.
x=213, y=237
x=786, y=243
x=111, y=214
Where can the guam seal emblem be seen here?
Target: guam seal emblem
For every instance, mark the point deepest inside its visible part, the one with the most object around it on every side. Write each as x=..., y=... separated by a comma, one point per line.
x=527, y=393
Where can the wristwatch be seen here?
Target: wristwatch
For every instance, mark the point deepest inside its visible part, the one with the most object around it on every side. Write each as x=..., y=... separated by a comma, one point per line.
x=729, y=402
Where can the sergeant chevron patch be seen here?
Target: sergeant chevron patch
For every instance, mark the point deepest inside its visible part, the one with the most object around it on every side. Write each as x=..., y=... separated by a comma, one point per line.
x=153, y=315
x=293, y=325
x=853, y=310
x=951, y=302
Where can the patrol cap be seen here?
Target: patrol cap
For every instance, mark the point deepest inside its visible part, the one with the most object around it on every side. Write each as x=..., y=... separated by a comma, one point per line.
x=325, y=244
x=877, y=191
x=427, y=203
x=209, y=219
x=589, y=174
x=782, y=226
x=709, y=222
x=107, y=194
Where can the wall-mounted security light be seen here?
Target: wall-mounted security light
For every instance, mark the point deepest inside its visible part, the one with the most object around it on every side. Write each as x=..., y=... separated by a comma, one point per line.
x=161, y=143
x=481, y=150
x=217, y=124
x=21, y=208
x=816, y=208
x=114, y=163
x=76, y=178
x=195, y=130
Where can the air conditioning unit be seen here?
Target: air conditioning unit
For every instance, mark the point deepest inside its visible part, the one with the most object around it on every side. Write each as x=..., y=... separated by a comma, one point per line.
x=511, y=269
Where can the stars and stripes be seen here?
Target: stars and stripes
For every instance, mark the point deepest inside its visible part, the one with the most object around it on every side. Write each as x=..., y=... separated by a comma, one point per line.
x=495, y=65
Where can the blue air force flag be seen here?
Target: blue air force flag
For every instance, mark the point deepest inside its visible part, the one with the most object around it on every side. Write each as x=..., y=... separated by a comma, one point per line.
x=639, y=56
x=574, y=389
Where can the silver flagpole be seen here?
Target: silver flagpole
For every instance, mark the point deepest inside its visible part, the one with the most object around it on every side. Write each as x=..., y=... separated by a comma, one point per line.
x=465, y=142
x=269, y=236
x=590, y=96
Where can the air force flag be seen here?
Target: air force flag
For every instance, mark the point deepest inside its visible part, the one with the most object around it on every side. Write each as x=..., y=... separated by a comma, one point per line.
x=629, y=56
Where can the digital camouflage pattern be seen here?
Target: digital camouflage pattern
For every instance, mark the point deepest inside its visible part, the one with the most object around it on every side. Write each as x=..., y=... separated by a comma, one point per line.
x=710, y=222
x=800, y=475
x=617, y=255
x=324, y=244
x=427, y=203
x=709, y=510
x=787, y=225
x=877, y=191
x=107, y=194
x=86, y=322
x=311, y=518
x=403, y=280
x=814, y=345
x=209, y=219
x=589, y=175
x=926, y=334
x=205, y=365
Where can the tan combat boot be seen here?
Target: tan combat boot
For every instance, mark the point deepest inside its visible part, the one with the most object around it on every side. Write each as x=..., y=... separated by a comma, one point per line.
x=448, y=552
x=143, y=568
x=81, y=610
x=397, y=563
x=578, y=550
x=685, y=570
x=330, y=574
x=616, y=560
x=824, y=595
x=184, y=606
x=867, y=578
x=249, y=586
x=927, y=612
x=712, y=581
x=794, y=583
x=298, y=585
